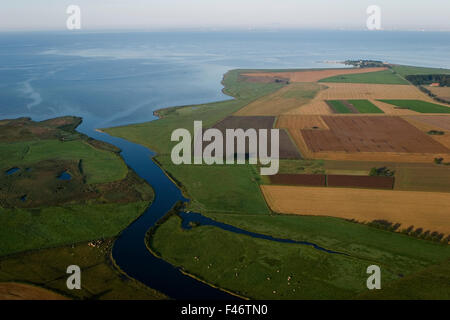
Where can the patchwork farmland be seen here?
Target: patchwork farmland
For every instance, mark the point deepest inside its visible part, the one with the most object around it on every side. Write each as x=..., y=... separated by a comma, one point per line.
x=357, y=117
x=362, y=91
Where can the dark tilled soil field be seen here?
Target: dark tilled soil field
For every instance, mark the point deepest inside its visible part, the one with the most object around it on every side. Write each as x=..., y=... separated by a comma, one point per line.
x=371, y=134
x=288, y=150
x=299, y=179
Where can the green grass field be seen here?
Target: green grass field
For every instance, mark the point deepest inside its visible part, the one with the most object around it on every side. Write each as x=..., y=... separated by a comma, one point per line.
x=428, y=284
x=258, y=268
x=301, y=166
x=265, y=269
x=411, y=70
x=99, y=166
x=365, y=106
x=238, y=190
x=365, y=242
x=100, y=279
x=28, y=229
x=419, y=106
x=379, y=77
x=339, y=106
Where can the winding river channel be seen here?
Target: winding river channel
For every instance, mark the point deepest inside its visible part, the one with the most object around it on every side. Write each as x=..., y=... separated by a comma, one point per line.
x=130, y=251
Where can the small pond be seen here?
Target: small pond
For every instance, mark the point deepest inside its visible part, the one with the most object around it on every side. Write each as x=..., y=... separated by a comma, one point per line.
x=11, y=171
x=65, y=176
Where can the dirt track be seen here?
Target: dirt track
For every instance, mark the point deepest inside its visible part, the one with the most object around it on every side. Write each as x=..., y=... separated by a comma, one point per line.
x=427, y=210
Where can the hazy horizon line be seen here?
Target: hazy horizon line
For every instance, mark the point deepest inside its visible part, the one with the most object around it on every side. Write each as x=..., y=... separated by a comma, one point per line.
x=219, y=29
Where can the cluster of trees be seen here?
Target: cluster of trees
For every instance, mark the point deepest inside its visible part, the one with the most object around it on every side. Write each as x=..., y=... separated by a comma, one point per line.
x=381, y=172
x=426, y=235
x=417, y=233
x=366, y=63
x=441, y=161
x=410, y=231
x=385, y=225
x=424, y=79
x=436, y=133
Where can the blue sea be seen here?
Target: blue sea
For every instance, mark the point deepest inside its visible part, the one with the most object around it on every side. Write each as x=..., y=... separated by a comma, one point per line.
x=117, y=78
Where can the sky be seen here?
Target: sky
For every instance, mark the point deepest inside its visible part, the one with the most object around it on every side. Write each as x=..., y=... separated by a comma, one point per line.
x=224, y=14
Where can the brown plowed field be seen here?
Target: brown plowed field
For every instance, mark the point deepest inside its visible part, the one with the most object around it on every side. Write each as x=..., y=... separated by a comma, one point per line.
x=360, y=181
x=255, y=122
x=310, y=75
x=299, y=179
x=427, y=210
x=288, y=150
x=353, y=134
x=19, y=291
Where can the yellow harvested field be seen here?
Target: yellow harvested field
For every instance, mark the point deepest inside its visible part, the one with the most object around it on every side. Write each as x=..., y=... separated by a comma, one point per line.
x=374, y=156
x=362, y=91
x=19, y=291
x=287, y=98
x=301, y=122
x=349, y=91
x=427, y=210
x=315, y=107
x=311, y=75
x=441, y=92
